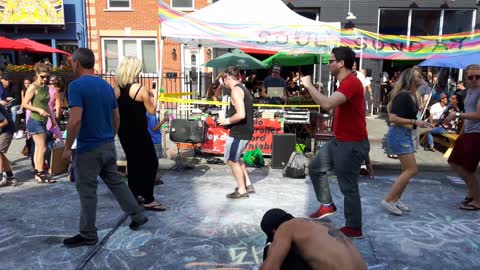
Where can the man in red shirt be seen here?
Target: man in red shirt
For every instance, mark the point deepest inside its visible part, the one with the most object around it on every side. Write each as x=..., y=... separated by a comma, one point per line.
x=349, y=149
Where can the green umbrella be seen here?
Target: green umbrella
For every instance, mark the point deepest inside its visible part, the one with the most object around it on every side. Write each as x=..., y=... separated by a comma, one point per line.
x=292, y=59
x=236, y=58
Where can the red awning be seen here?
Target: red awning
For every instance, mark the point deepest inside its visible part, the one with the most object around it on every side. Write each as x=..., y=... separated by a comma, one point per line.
x=34, y=46
x=258, y=51
x=10, y=44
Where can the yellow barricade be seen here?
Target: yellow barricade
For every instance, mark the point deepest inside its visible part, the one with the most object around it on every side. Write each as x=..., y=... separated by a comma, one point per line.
x=174, y=95
x=219, y=103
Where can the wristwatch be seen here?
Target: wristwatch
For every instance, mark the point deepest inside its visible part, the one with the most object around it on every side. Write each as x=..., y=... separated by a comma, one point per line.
x=457, y=115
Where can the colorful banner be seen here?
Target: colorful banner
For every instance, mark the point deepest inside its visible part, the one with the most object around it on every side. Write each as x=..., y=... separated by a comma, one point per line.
x=262, y=136
x=37, y=12
x=305, y=37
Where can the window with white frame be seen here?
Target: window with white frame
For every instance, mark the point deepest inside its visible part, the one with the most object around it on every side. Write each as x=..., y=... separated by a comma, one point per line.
x=115, y=49
x=119, y=4
x=425, y=22
x=182, y=4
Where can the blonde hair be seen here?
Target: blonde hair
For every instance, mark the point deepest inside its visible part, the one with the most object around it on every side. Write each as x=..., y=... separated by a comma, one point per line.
x=472, y=67
x=128, y=71
x=406, y=82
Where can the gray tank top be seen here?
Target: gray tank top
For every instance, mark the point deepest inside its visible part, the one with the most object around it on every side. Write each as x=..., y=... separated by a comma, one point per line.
x=471, y=102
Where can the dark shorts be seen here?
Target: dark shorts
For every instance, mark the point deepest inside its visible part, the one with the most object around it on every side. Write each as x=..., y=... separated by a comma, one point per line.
x=234, y=149
x=5, y=141
x=36, y=127
x=466, y=152
x=399, y=140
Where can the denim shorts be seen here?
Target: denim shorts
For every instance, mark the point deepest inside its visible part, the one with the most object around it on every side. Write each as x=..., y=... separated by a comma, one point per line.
x=36, y=127
x=399, y=140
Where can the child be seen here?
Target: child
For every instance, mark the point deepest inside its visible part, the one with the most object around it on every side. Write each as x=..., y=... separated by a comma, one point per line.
x=154, y=128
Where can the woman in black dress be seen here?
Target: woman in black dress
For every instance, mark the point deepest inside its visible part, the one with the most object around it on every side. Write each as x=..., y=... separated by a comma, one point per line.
x=133, y=102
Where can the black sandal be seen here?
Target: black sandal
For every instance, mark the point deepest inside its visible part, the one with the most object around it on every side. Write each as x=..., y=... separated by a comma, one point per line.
x=467, y=200
x=39, y=177
x=46, y=177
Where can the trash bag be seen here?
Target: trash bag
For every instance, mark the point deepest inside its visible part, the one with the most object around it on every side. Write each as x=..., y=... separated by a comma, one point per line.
x=295, y=167
x=253, y=158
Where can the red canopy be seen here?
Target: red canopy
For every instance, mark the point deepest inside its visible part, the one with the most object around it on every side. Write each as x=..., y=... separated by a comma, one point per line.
x=10, y=44
x=34, y=46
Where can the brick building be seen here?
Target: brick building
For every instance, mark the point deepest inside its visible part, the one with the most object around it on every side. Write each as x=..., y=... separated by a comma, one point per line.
x=119, y=28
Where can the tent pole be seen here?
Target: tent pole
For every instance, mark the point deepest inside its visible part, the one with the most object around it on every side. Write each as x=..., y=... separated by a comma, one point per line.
x=160, y=72
x=320, y=72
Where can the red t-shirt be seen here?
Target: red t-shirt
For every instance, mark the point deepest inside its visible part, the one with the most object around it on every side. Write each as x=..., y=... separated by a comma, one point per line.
x=349, y=123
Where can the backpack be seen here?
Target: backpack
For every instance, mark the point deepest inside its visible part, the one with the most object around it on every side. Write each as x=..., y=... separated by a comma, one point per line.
x=295, y=167
x=254, y=158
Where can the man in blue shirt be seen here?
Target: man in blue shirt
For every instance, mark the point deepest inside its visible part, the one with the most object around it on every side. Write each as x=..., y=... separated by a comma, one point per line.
x=94, y=120
x=274, y=80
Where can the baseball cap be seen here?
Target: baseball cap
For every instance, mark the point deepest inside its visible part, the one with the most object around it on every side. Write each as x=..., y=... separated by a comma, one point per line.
x=276, y=68
x=272, y=219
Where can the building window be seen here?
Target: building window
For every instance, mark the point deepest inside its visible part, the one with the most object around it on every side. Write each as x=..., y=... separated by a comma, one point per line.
x=183, y=4
x=399, y=26
x=425, y=22
x=457, y=21
x=119, y=4
x=115, y=49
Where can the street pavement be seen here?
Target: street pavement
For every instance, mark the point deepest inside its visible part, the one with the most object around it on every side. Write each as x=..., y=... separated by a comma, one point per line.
x=203, y=230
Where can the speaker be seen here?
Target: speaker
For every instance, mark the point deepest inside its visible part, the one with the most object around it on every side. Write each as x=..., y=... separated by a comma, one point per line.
x=282, y=147
x=188, y=131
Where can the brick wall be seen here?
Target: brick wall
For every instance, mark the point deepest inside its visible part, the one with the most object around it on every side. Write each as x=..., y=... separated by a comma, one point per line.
x=140, y=21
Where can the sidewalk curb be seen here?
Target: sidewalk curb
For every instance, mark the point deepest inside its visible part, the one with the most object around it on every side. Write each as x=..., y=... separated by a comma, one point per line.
x=421, y=167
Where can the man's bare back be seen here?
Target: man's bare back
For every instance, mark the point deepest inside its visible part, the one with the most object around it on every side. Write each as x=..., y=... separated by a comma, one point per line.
x=321, y=245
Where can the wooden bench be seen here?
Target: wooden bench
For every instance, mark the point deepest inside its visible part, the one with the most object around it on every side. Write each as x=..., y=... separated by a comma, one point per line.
x=448, y=140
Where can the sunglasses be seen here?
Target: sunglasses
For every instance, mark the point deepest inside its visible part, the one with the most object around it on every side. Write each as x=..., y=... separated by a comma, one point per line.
x=473, y=77
x=43, y=77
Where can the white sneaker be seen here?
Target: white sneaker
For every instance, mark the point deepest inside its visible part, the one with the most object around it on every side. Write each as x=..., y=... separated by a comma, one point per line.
x=3, y=182
x=401, y=205
x=392, y=208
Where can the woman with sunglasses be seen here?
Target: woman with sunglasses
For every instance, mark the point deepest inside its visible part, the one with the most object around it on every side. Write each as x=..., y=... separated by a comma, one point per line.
x=36, y=100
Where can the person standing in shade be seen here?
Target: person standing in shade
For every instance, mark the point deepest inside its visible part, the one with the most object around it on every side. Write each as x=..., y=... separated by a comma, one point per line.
x=466, y=155
x=274, y=80
x=134, y=102
x=349, y=149
x=402, y=113
x=7, y=128
x=94, y=121
x=240, y=123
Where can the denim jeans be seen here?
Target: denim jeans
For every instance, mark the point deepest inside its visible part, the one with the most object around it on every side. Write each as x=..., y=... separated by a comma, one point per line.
x=88, y=165
x=13, y=111
x=344, y=159
x=433, y=131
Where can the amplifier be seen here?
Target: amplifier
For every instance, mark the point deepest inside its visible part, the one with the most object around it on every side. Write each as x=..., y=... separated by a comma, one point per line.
x=298, y=116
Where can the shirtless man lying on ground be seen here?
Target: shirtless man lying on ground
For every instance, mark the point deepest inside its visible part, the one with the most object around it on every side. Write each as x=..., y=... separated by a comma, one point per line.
x=298, y=243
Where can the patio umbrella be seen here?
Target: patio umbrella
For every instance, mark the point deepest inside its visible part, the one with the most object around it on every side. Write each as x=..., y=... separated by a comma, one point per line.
x=10, y=44
x=34, y=46
x=236, y=58
x=292, y=59
x=458, y=61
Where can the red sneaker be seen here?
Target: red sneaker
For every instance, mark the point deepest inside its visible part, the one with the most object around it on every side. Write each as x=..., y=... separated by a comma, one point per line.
x=324, y=211
x=352, y=232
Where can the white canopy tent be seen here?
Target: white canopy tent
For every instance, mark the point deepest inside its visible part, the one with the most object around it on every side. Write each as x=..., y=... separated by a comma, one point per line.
x=255, y=24
x=264, y=24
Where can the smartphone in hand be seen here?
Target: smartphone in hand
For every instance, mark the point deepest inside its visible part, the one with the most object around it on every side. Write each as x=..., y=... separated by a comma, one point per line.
x=154, y=85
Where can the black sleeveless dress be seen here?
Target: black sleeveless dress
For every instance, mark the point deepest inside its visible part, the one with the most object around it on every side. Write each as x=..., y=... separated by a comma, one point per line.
x=135, y=139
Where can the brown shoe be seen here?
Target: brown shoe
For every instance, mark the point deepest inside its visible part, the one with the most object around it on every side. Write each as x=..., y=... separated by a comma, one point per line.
x=237, y=195
x=250, y=189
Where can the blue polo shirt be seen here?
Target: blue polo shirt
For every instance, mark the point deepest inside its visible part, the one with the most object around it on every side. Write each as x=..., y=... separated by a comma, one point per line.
x=97, y=99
